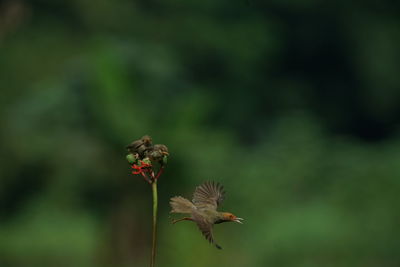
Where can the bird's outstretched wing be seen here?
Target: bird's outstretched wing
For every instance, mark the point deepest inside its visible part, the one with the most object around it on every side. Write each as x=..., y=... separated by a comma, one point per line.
x=209, y=194
x=206, y=229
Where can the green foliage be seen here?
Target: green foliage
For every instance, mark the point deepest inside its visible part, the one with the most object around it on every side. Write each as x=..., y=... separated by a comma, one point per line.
x=292, y=105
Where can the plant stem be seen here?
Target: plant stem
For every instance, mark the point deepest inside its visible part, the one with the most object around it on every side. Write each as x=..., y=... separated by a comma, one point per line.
x=155, y=206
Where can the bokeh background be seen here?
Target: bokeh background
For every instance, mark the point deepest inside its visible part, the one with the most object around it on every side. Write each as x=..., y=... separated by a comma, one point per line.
x=293, y=105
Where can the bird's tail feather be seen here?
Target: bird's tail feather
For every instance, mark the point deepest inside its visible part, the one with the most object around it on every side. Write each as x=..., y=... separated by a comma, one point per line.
x=181, y=205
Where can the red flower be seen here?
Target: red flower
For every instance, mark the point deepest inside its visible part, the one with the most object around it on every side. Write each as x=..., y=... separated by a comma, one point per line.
x=142, y=168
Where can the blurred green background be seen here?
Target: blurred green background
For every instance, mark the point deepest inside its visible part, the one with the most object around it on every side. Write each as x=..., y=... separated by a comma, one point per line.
x=294, y=106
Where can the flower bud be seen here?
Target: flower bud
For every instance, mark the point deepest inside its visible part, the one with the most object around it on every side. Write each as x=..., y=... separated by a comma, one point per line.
x=146, y=161
x=131, y=158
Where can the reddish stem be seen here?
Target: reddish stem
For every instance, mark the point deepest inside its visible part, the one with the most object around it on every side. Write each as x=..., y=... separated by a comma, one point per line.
x=145, y=177
x=160, y=171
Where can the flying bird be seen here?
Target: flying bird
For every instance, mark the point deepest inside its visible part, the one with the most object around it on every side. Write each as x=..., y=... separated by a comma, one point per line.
x=203, y=209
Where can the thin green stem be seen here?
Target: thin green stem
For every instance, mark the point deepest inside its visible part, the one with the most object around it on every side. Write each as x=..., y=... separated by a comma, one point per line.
x=155, y=206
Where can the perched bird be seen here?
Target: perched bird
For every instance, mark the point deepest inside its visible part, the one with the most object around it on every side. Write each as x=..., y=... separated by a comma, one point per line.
x=203, y=209
x=157, y=153
x=140, y=146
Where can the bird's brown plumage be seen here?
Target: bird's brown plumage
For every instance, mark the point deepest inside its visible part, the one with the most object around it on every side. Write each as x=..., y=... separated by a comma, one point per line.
x=209, y=194
x=203, y=208
x=140, y=146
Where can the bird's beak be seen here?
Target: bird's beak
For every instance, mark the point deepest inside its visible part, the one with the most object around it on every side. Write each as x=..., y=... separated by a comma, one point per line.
x=238, y=220
x=165, y=153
